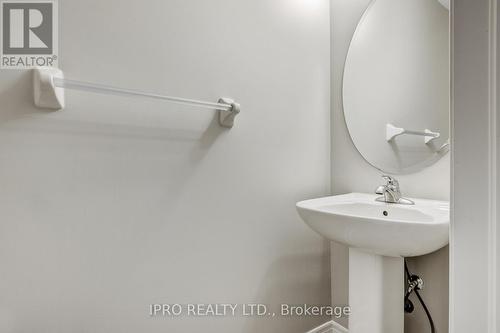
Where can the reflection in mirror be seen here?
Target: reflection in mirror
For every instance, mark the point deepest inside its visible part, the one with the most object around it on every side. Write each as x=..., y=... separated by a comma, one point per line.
x=396, y=84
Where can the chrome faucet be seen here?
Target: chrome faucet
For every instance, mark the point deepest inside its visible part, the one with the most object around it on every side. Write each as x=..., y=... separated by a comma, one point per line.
x=391, y=193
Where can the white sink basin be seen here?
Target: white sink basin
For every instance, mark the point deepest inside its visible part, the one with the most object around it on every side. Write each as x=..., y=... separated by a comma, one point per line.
x=395, y=230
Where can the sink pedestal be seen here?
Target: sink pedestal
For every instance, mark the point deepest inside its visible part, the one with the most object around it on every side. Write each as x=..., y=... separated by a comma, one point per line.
x=376, y=292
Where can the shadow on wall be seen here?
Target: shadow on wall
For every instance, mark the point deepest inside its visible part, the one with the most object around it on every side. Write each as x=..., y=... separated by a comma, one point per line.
x=125, y=140
x=286, y=276
x=17, y=97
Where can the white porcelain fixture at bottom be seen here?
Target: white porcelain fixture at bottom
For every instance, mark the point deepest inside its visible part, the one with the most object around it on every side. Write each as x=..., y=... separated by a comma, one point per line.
x=379, y=236
x=357, y=220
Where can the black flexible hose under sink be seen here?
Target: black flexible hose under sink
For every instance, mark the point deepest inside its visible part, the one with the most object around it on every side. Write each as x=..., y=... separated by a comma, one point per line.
x=427, y=312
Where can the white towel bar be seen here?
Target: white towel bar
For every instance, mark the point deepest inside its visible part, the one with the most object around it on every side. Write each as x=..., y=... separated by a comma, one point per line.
x=49, y=84
x=393, y=131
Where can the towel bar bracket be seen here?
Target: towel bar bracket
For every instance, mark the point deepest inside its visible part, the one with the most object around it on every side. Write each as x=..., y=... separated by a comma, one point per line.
x=46, y=94
x=226, y=118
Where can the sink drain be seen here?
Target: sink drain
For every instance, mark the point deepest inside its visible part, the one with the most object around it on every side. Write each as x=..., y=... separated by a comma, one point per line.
x=385, y=213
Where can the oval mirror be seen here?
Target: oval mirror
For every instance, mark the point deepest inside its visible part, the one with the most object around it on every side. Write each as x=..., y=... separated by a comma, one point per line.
x=396, y=84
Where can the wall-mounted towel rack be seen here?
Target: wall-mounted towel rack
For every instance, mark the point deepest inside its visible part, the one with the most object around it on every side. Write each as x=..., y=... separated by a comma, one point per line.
x=393, y=131
x=49, y=84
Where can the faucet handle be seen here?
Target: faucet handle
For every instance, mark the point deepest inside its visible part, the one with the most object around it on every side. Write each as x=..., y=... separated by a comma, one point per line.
x=391, y=180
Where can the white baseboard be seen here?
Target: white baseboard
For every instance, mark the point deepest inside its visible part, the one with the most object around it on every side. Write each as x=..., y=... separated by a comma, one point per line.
x=330, y=327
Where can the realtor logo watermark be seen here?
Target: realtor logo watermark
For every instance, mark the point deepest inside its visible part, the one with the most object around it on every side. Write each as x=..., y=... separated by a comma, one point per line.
x=29, y=33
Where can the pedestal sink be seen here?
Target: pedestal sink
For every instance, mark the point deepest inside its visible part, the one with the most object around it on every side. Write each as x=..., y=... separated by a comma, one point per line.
x=379, y=236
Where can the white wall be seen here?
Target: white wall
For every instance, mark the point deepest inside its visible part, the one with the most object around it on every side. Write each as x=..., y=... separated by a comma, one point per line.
x=351, y=173
x=115, y=203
